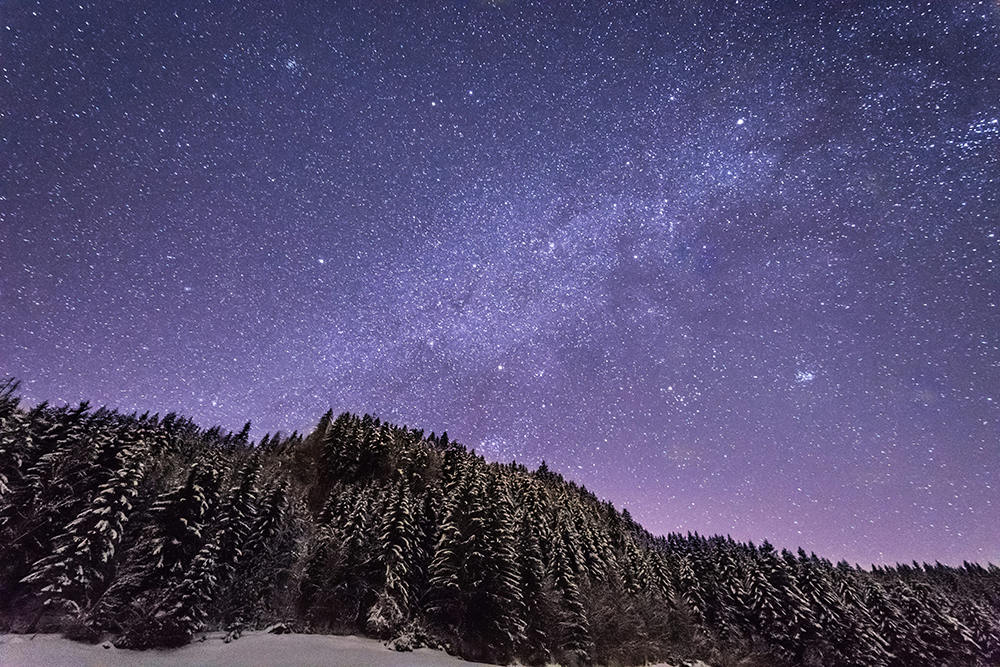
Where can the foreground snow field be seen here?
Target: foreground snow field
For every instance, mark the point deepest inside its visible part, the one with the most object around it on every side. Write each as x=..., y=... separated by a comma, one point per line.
x=254, y=649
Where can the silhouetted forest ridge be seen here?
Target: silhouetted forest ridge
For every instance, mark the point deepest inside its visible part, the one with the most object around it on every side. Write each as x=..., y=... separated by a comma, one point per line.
x=149, y=530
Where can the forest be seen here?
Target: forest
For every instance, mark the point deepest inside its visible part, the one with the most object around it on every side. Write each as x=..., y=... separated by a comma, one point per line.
x=147, y=530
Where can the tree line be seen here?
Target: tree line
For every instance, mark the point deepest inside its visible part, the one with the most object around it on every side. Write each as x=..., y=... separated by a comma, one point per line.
x=150, y=530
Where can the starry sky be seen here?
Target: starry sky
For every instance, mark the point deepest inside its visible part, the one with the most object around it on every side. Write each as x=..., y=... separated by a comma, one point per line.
x=730, y=265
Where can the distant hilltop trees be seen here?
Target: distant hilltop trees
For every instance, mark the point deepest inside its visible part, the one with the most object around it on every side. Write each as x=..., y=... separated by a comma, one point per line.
x=150, y=530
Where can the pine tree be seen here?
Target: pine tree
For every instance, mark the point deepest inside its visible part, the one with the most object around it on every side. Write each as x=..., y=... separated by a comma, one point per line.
x=841, y=638
x=689, y=590
x=340, y=452
x=850, y=589
x=474, y=585
x=190, y=603
x=314, y=602
x=52, y=490
x=761, y=601
x=593, y=545
x=374, y=452
x=339, y=581
x=572, y=635
x=397, y=554
x=228, y=537
x=184, y=609
x=635, y=567
x=906, y=645
x=443, y=601
x=176, y=535
x=942, y=638
x=268, y=557
x=566, y=529
x=499, y=597
x=235, y=519
x=726, y=605
x=660, y=573
x=536, y=585
x=13, y=447
x=179, y=518
x=79, y=568
x=325, y=557
x=983, y=622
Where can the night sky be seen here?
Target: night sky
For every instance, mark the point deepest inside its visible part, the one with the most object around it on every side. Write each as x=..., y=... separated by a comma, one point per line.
x=733, y=267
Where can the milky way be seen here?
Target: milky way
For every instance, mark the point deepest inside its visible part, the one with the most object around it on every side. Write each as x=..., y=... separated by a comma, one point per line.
x=734, y=269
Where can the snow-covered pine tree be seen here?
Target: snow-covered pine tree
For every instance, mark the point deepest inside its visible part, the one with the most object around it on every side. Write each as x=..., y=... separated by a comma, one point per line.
x=571, y=638
x=14, y=442
x=52, y=489
x=268, y=556
x=82, y=561
x=765, y=617
x=342, y=448
x=185, y=608
x=315, y=604
x=849, y=586
x=689, y=590
x=948, y=641
x=442, y=601
x=176, y=532
x=840, y=638
x=500, y=596
x=726, y=593
x=325, y=556
x=565, y=529
x=339, y=578
x=983, y=622
x=906, y=644
x=634, y=567
x=536, y=585
x=791, y=625
x=178, y=521
x=592, y=540
x=236, y=517
x=661, y=573
x=230, y=533
x=455, y=473
x=473, y=594
x=428, y=514
x=374, y=454
x=270, y=517
x=397, y=555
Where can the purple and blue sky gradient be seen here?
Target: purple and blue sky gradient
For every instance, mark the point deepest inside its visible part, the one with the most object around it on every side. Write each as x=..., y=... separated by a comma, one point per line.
x=734, y=266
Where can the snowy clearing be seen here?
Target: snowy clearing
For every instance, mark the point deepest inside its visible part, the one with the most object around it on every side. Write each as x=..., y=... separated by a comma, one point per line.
x=254, y=649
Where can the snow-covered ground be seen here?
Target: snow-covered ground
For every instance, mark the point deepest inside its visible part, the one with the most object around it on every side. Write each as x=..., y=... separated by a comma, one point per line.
x=254, y=649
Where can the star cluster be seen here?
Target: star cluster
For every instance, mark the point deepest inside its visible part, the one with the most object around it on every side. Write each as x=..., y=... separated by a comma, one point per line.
x=732, y=266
